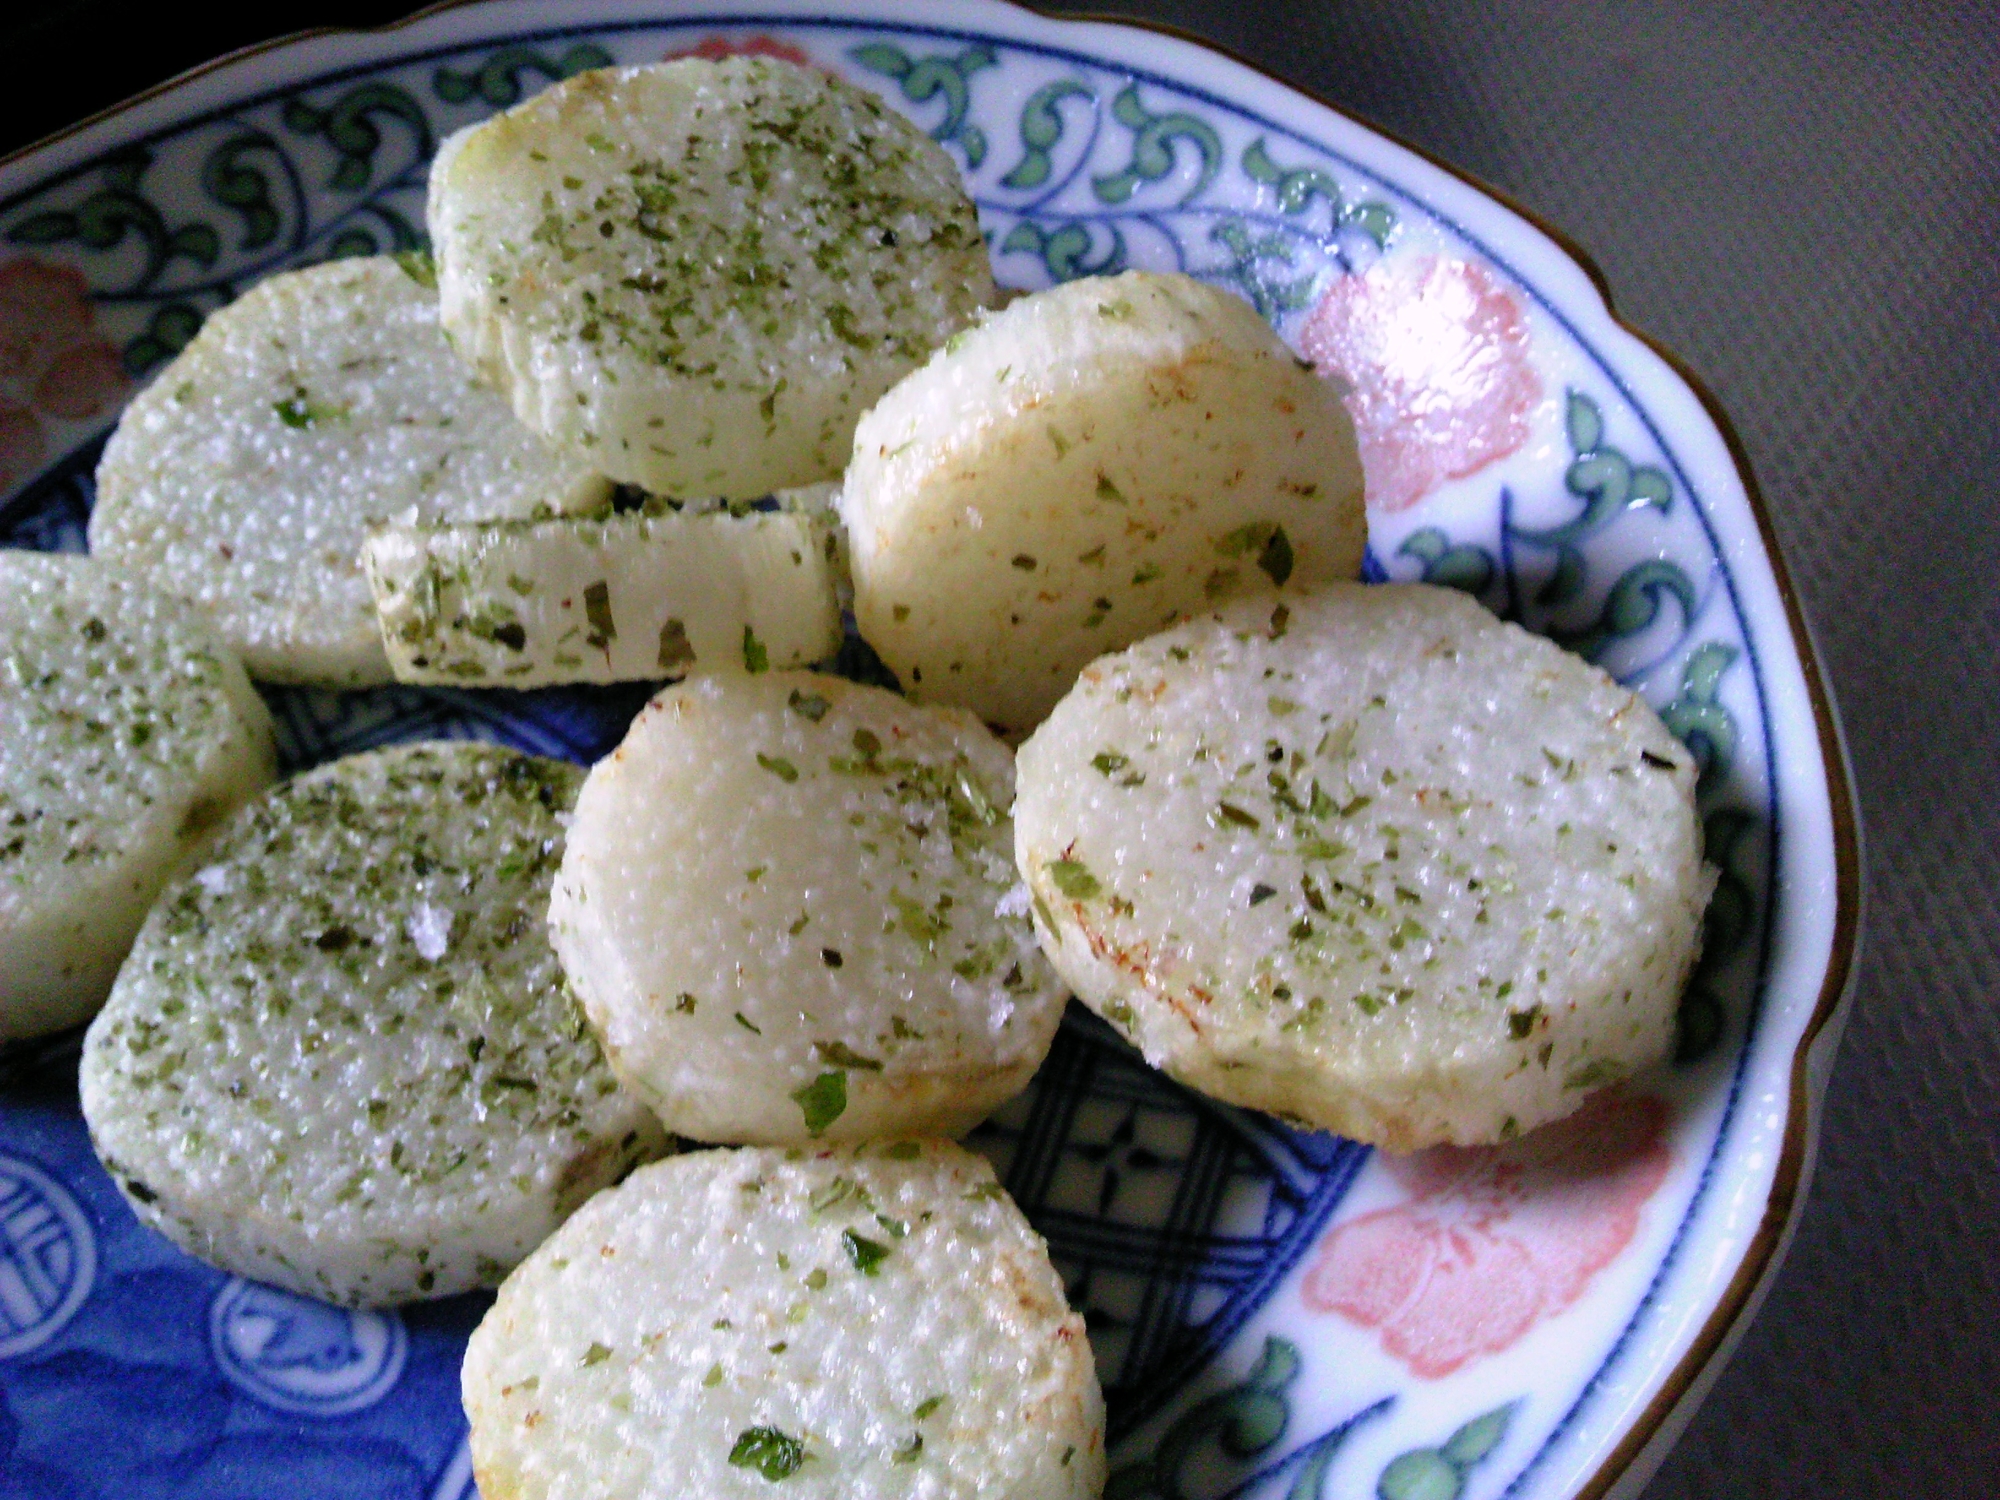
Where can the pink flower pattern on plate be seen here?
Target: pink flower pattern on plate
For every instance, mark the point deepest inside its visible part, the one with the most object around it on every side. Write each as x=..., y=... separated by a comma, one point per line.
x=53, y=362
x=715, y=48
x=1435, y=356
x=1494, y=1239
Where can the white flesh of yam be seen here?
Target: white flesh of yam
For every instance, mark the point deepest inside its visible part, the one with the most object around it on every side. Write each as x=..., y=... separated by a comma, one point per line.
x=869, y=1324
x=1369, y=859
x=1081, y=469
x=318, y=405
x=340, y=1059
x=790, y=910
x=127, y=733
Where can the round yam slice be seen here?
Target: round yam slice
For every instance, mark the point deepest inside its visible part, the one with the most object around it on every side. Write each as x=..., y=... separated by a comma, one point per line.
x=340, y=1059
x=128, y=731
x=789, y=908
x=1369, y=859
x=318, y=405
x=697, y=275
x=866, y=1323
x=1090, y=464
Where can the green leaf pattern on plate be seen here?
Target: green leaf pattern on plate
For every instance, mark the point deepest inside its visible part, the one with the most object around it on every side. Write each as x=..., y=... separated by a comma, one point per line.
x=1041, y=128
x=1440, y=1473
x=1155, y=139
x=925, y=78
x=1202, y=1452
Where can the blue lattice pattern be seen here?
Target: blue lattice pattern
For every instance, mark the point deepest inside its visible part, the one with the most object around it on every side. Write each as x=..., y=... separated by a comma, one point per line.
x=1170, y=1216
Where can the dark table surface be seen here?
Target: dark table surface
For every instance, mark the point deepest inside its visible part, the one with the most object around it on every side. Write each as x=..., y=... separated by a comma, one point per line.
x=1803, y=200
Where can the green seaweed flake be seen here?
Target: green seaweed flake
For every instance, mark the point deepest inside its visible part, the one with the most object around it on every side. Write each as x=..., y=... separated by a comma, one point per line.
x=822, y=1101
x=772, y=1453
x=1074, y=880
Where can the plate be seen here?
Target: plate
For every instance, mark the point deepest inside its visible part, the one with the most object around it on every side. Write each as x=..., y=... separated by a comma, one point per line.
x=1274, y=1313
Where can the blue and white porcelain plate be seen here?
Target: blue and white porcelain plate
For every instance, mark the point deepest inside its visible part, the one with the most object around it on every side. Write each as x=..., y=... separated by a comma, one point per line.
x=1274, y=1313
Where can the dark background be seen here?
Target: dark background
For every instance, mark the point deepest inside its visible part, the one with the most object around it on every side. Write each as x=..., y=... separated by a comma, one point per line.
x=1803, y=201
